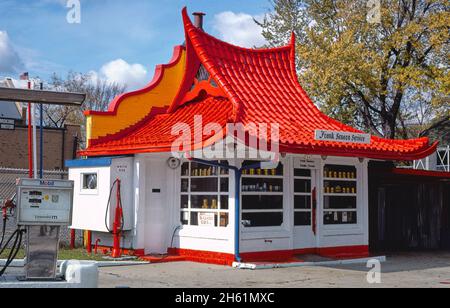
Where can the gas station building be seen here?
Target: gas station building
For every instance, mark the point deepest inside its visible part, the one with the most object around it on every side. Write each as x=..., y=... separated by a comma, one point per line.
x=221, y=210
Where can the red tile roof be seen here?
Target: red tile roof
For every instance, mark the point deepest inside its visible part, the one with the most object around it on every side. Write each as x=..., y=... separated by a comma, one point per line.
x=261, y=86
x=154, y=133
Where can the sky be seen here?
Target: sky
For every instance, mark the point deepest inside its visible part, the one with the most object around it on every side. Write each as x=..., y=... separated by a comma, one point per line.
x=116, y=40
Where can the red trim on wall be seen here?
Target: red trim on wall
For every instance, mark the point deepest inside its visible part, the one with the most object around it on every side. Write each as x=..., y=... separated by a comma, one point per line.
x=437, y=174
x=209, y=257
x=347, y=252
x=344, y=252
x=127, y=252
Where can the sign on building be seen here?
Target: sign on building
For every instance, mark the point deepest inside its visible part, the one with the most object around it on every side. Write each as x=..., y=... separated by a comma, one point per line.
x=206, y=219
x=335, y=136
x=7, y=124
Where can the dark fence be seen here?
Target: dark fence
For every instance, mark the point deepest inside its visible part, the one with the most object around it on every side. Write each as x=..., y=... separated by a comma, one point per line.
x=408, y=212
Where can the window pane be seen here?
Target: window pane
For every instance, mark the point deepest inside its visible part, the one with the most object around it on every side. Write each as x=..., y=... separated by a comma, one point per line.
x=302, y=186
x=262, y=185
x=90, y=181
x=340, y=218
x=302, y=218
x=263, y=219
x=203, y=170
x=340, y=187
x=224, y=183
x=184, y=218
x=339, y=172
x=184, y=185
x=255, y=171
x=224, y=219
x=224, y=171
x=204, y=219
x=339, y=202
x=224, y=202
x=185, y=169
x=204, y=185
x=302, y=172
x=262, y=202
x=302, y=202
x=184, y=202
x=204, y=202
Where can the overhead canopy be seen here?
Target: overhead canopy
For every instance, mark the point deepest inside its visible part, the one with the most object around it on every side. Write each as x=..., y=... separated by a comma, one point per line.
x=229, y=84
x=39, y=96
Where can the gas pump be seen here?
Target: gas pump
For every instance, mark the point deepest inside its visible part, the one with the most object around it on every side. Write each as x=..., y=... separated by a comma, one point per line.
x=41, y=208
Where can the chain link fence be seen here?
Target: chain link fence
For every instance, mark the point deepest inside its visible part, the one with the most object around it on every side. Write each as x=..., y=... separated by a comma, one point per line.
x=8, y=179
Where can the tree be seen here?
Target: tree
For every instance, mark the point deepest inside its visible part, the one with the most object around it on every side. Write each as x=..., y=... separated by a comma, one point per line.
x=372, y=63
x=99, y=93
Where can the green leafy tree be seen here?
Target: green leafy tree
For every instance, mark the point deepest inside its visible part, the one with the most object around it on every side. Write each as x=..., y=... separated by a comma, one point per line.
x=375, y=64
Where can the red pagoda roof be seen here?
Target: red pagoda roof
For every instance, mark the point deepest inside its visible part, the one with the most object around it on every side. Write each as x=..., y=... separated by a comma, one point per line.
x=259, y=86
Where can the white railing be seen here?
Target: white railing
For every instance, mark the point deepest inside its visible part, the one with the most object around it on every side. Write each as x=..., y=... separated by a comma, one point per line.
x=440, y=161
x=443, y=159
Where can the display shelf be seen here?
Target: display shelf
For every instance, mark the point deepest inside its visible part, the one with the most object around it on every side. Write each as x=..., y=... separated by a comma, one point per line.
x=205, y=177
x=262, y=177
x=340, y=194
x=256, y=193
x=340, y=179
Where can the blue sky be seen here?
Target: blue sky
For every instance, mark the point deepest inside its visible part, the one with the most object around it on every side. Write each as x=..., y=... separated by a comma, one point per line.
x=117, y=40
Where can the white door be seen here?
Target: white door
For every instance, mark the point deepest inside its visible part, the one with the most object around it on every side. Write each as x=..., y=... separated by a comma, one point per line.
x=156, y=215
x=305, y=208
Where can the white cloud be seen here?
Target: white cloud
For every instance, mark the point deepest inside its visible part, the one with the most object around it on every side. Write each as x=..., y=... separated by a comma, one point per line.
x=239, y=29
x=134, y=76
x=10, y=61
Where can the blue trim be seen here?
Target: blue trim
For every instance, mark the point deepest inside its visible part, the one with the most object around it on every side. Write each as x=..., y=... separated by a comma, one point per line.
x=237, y=197
x=90, y=162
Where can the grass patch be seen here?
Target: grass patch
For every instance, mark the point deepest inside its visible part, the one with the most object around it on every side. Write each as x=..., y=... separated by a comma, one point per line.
x=64, y=254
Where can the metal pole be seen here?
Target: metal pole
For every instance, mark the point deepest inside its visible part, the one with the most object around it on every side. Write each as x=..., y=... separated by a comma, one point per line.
x=33, y=108
x=30, y=138
x=41, y=138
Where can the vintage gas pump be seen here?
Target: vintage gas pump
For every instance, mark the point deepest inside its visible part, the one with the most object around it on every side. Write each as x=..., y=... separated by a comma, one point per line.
x=43, y=207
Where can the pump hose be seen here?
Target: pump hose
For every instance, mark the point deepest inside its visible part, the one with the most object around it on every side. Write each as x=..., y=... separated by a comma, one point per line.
x=18, y=234
x=3, y=232
x=109, y=206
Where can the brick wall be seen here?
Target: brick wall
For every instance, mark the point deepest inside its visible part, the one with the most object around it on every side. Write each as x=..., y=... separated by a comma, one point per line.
x=14, y=147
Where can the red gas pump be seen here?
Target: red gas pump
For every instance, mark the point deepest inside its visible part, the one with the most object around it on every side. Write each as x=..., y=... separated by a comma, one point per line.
x=118, y=223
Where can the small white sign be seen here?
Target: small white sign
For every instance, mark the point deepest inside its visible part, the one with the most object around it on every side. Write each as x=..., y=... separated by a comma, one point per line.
x=7, y=124
x=335, y=136
x=206, y=219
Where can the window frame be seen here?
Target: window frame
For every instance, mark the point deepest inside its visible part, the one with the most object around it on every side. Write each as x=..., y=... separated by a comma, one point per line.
x=218, y=194
x=357, y=195
x=281, y=194
x=311, y=179
x=86, y=191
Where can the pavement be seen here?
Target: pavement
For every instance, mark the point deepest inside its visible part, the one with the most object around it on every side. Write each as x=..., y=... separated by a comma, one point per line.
x=410, y=270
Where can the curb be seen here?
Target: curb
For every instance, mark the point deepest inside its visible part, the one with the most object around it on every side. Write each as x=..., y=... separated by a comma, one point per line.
x=255, y=266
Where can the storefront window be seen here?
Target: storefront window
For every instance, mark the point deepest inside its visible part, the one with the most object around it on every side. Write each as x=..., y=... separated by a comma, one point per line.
x=262, y=197
x=340, y=195
x=302, y=197
x=204, y=195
